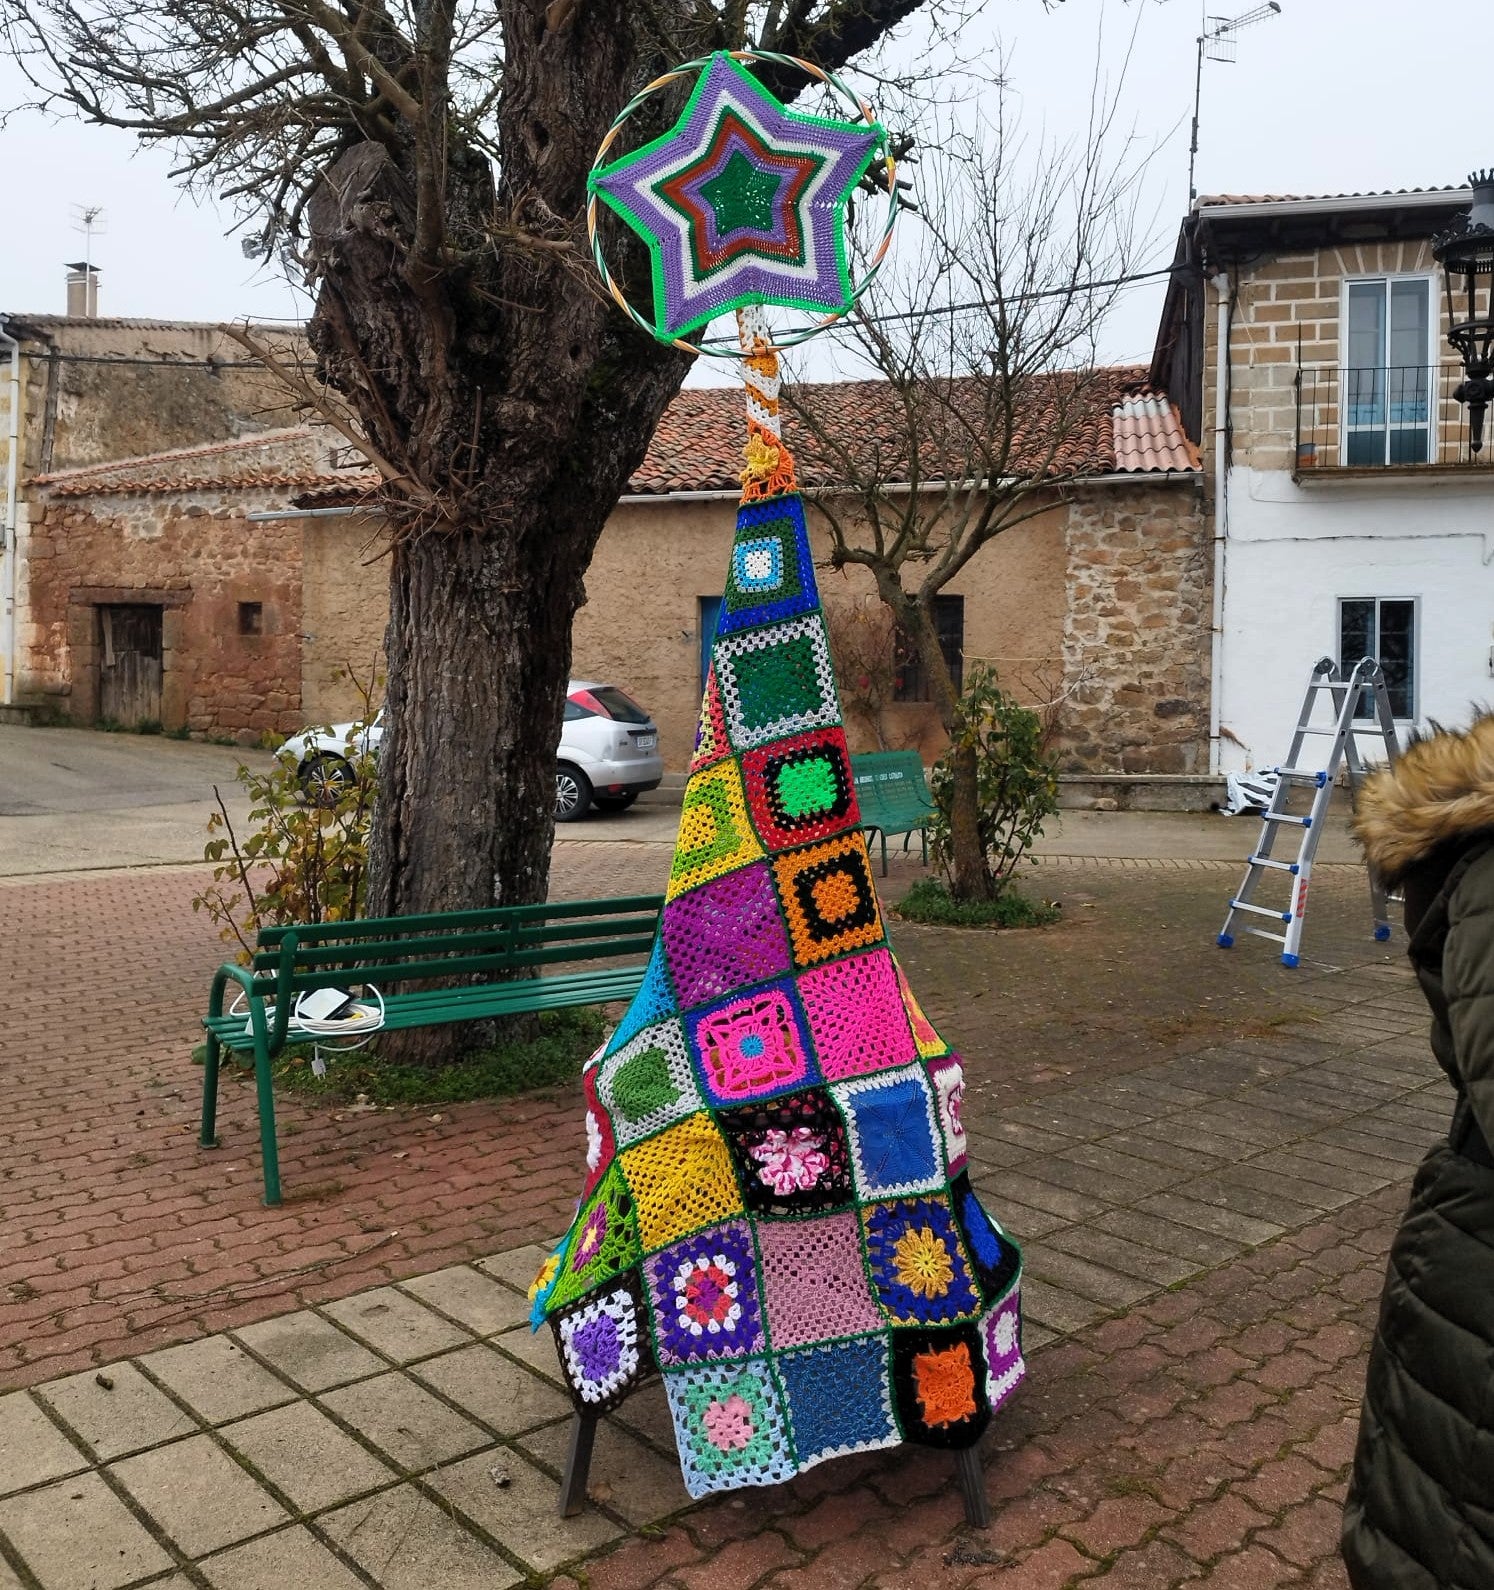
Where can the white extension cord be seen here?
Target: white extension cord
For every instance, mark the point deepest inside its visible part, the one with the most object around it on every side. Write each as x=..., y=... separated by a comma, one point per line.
x=354, y=1016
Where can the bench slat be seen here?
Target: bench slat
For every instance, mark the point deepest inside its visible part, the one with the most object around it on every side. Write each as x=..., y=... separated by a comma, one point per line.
x=498, y=915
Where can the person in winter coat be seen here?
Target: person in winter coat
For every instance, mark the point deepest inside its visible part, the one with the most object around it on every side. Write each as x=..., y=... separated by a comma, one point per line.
x=1420, y=1508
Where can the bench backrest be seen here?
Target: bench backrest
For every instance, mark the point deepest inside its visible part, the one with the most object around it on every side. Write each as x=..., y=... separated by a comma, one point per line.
x=890, y=785
x=496, y=943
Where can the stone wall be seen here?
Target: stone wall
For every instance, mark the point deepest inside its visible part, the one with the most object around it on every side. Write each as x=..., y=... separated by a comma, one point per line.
x=196, y=556
x=1137, y=632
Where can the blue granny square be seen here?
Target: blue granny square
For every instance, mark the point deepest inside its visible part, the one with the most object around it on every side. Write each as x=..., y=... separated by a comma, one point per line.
x=893, y=1131
x=839, y=1398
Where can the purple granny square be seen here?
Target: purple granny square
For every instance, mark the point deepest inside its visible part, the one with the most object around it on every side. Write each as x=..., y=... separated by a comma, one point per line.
x=725, y=935
x=703, y=1292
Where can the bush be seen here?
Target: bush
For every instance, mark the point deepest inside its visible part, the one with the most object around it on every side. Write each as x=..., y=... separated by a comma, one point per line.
x=931, y=903
x=1016, y=778
x=301, y=860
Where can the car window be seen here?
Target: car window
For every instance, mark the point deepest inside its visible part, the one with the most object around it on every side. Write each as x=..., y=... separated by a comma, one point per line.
x=618, y=706
x=574, y=710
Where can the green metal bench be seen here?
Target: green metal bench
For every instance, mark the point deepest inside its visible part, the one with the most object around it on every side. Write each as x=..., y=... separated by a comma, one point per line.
x=501, y=955
x=893, y=796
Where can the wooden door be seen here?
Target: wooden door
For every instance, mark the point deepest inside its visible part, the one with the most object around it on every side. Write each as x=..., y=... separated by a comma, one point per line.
x=130, y=665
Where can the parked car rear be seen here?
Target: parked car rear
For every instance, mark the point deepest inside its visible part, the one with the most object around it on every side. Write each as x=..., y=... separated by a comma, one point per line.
x=607, y=757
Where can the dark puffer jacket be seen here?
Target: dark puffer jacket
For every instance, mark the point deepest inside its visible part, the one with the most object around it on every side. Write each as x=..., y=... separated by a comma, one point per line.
x=1420, y=1510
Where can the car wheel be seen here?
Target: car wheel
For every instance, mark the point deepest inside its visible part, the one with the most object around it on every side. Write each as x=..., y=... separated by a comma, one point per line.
x=324, y=777
x=615, y=803
x=572, y=793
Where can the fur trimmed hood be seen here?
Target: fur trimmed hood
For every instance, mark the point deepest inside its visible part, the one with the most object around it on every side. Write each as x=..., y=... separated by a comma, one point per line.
x=1440, y=790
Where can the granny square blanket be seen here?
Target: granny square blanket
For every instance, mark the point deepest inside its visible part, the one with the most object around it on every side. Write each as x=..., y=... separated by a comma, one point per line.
x=777, y=1216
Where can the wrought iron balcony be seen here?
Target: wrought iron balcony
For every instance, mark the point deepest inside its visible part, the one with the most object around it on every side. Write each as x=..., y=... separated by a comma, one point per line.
x=1395, y=417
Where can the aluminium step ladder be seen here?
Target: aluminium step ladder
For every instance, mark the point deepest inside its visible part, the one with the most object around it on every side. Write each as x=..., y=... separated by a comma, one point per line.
x=1362, y=696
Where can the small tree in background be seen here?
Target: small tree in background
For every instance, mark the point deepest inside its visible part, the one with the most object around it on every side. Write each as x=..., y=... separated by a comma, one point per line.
x=1016, y=780
x=986, y=400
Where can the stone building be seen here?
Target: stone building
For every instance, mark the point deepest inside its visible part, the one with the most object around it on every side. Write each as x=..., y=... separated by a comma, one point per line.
x=77, y=390
x=230, y=583
x=1303, y=339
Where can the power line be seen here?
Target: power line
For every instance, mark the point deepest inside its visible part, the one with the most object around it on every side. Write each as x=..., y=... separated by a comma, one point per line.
x=1027, y=298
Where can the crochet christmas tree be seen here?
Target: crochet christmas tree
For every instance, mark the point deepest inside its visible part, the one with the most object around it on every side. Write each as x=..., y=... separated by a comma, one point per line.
x=777, y=1216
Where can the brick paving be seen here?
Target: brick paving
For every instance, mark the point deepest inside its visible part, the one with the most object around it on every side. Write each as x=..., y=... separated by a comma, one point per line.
x=1203, y=1154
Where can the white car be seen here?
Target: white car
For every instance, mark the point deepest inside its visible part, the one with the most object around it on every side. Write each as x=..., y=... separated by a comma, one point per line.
x=608, y=753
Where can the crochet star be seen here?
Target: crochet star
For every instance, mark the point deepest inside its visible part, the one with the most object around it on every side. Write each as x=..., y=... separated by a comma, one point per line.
x=741, y=202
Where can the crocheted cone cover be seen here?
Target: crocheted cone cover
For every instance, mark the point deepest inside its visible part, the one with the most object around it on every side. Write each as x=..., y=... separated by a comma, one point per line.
x=777, y=1216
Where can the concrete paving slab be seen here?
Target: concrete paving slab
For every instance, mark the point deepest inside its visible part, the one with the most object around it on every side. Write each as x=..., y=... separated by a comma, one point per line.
x=470, y=1298
x=218, y=1379
x=518, y=1267
x=199, y=1496
x=1130, y=1258
x=291, y=1559
x=310, y=1350
x=300, y=1451
x=523, y=1511
x=78, y=1535
x=32, y=1448
x=405, y=1422
x=647, y=1413
x=404, y=1541
x=626, y=1476
x=504, y=1395
x=397, y=1326
x=116, y=1411
x=534, y=1348
x=8, y=1579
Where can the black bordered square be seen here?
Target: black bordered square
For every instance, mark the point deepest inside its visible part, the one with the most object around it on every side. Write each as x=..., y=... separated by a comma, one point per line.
x=995, y=1258
x=791, y=1155
x=939, y=1385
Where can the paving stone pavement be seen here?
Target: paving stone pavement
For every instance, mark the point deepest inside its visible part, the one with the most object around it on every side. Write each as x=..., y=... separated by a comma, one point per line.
x=1203, y=1154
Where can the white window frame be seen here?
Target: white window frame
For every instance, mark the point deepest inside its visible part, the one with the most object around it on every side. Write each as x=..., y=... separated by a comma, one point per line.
x=1431, y=363
x=1346, y=664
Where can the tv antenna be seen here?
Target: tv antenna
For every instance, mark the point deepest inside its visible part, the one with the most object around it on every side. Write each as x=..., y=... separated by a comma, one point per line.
x=1217, y=43
x=89, y=219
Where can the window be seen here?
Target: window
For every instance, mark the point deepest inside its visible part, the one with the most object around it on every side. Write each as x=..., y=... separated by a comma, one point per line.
x=251, y=618
x=1383, y=628
x=1388, y=372
x=910, y=681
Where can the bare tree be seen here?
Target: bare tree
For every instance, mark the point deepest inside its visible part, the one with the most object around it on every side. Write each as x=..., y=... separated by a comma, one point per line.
x=426, y=162
x=986, y=397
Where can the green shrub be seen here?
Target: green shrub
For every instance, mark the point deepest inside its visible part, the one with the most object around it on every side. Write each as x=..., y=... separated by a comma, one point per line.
x=1016, y=778
x=930, y=902
x=302, y=859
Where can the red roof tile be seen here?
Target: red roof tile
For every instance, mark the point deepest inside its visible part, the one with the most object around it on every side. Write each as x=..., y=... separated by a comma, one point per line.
x=698, y=444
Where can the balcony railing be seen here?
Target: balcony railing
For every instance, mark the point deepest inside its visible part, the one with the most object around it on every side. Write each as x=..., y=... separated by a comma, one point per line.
x=1395, y=417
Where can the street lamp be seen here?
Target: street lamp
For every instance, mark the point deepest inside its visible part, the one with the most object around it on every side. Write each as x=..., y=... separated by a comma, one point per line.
x=1466, y=254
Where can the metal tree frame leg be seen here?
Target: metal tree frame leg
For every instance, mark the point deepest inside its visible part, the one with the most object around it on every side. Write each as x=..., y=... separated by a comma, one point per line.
x=973, y=1486
x=577, y=1464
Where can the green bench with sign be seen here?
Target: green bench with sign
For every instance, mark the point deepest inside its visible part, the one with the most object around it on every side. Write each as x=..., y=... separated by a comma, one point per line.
x=511, y=960
x=894, y=798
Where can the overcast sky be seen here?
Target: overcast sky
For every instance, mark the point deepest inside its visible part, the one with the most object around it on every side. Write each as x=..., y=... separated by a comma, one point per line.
x=1330, y=96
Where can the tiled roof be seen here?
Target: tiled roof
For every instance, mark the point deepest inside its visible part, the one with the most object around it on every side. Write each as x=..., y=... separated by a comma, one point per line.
x=698, y=444
x=1149, y=436
x=1120, y=426
x=1206, y=200
x=292, y=456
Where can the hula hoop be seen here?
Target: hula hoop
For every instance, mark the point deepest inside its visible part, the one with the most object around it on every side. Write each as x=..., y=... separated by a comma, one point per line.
x=793, y=339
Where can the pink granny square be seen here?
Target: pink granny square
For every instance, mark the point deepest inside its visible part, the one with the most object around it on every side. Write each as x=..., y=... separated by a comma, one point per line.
x=814, y=1280
x=856, y=1016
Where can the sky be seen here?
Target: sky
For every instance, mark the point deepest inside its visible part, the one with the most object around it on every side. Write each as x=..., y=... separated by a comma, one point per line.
x=1329, y=96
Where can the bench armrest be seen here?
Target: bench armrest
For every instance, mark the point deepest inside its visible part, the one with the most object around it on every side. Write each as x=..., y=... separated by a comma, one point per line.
x=228, y=973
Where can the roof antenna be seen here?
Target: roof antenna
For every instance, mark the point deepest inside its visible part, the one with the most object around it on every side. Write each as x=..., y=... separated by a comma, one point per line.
x=1217, y=43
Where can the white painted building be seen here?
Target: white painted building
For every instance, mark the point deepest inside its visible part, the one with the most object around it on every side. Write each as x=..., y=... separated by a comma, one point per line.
x=1350, y=516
